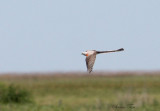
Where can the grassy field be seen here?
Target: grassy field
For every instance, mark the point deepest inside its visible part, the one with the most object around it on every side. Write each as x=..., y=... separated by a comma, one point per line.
x=125, y=91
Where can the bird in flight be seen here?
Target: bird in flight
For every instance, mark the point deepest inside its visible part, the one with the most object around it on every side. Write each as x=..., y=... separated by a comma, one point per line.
x=91, y=57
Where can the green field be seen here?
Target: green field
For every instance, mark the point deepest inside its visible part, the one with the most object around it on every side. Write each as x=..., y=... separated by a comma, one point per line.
x=130, y=91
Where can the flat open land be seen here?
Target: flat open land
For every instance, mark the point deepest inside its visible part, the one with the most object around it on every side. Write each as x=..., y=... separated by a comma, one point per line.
x=121, y=91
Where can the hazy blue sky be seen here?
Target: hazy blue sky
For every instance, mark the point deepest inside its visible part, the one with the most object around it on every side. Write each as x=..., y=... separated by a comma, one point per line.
x=49, y=35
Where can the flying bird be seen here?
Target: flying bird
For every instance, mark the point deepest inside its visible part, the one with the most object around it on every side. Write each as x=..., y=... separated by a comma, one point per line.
x=91, y=57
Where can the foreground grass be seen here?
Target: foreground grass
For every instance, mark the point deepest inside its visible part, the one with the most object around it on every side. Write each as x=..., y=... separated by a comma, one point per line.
x=87, y=92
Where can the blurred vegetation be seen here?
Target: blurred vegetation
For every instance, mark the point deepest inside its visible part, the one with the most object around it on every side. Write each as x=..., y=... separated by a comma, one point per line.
x=83, y=92
x=13, y=94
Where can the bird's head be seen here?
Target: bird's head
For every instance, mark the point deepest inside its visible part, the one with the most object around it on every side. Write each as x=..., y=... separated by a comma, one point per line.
x=88, y=52
x=85, y=53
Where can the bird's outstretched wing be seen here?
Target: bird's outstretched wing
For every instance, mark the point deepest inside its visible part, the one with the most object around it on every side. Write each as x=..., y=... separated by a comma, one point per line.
x=90, y=62
x=121, y=49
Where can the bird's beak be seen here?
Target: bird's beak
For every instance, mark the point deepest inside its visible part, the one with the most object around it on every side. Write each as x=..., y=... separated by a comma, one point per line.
x=84, y=53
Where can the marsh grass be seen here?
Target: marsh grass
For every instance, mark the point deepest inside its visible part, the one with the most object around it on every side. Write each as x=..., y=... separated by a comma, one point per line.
x=14, y=94
x=83, y=92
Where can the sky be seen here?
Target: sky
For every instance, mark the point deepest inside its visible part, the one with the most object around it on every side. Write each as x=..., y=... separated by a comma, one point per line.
x=49, y=35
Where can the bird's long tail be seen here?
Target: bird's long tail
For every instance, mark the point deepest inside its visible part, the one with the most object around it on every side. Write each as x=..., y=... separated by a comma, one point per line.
x=121, y=49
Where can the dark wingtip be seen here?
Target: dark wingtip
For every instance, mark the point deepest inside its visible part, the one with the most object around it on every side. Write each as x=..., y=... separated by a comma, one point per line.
x=121, y=49
x=89, y=71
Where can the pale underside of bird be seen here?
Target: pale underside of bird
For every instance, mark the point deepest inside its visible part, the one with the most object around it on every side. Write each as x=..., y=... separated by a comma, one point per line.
x=91, y=57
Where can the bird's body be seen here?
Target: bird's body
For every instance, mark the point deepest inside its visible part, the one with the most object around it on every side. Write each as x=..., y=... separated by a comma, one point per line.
x=91, y=57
